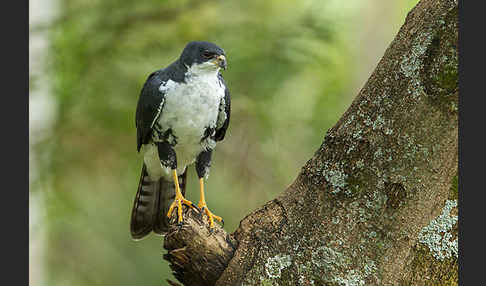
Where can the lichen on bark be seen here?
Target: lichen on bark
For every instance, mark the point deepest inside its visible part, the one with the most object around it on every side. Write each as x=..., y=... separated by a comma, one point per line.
x=423, y=267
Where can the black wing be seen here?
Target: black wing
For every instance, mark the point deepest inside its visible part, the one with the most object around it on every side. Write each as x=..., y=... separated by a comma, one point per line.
x=226, y=108
x=149, y=107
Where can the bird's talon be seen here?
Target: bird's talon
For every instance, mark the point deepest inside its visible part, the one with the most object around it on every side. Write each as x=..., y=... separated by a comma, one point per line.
x=211, y=216
x=177, y=203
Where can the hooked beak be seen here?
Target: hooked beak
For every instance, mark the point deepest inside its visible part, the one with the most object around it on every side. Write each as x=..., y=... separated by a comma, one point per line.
x=221, y=61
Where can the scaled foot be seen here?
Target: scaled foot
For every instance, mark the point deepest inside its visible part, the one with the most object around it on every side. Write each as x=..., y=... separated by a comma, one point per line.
x=209, y=214
x=177, y=203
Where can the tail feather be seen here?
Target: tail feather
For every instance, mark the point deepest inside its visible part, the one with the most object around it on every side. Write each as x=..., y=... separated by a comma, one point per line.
x=152, y=203
x=167, y=196
x=144, y=207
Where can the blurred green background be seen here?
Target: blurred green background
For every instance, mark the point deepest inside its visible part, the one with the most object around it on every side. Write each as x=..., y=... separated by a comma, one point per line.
x=294, y=67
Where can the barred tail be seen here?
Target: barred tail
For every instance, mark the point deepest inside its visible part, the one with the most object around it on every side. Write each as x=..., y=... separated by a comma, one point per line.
x=151, y=205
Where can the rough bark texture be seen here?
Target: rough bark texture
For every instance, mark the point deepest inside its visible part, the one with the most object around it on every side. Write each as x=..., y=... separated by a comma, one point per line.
x=196, y=255
x=364, y=208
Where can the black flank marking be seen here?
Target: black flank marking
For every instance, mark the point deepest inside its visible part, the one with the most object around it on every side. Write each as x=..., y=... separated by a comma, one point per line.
x=167, y=155
x=203, y=162
x=209, y=131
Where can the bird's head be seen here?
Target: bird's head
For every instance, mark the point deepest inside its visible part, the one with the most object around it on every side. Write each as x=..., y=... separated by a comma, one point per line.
x=203, y=56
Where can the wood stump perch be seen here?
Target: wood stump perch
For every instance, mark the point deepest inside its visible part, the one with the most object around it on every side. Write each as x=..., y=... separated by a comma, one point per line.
x=197, y=256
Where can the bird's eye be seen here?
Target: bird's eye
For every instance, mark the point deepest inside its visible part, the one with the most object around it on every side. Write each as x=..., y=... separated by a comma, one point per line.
x=207, y=54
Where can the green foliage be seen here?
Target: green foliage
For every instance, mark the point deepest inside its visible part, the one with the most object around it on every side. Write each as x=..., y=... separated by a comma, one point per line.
x=290, y=74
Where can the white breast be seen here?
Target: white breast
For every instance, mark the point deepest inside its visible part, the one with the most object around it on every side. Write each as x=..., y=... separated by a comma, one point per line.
x=188, y=110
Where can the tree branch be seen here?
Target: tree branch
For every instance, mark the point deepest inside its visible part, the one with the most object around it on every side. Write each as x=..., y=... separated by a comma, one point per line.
x=354, y=214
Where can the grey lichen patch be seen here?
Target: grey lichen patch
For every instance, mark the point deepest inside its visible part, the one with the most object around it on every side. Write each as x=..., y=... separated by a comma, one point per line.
x=370, y=267
x=378, y=153
x=358, y=134
x=379, y=122
x=375, y=201
x=368, y=121
x=335, y=176
x=350, y=149
x=350, y=119
x=275, y=265
x=337, y=268
x=407, y=67
x=437, y=235
x=411, y=63
x=328, y=259
x=352, y=278
x=415, y=152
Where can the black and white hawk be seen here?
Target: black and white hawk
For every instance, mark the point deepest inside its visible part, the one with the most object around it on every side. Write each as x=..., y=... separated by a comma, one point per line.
x=182, y=112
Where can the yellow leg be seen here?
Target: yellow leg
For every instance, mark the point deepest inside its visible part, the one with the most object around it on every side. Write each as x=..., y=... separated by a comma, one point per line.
x=202, y=205
x=179, y=199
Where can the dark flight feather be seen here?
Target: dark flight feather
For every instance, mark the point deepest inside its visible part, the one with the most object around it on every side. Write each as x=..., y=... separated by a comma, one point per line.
x=221, y=132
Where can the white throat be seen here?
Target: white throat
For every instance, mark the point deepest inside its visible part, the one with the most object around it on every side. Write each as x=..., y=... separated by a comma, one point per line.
x=202, y=69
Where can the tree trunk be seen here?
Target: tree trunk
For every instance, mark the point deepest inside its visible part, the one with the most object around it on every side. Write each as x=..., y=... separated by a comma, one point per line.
x=370, y=207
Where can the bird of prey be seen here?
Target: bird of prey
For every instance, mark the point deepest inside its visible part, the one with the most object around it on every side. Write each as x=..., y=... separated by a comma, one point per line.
x=182, y=112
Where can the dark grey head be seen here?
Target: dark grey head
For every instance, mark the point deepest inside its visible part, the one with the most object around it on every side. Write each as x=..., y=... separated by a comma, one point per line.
x=208, y=54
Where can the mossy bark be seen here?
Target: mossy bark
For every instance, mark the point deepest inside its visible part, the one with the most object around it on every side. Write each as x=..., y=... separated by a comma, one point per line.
x=423, y=268
x=354, y=214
